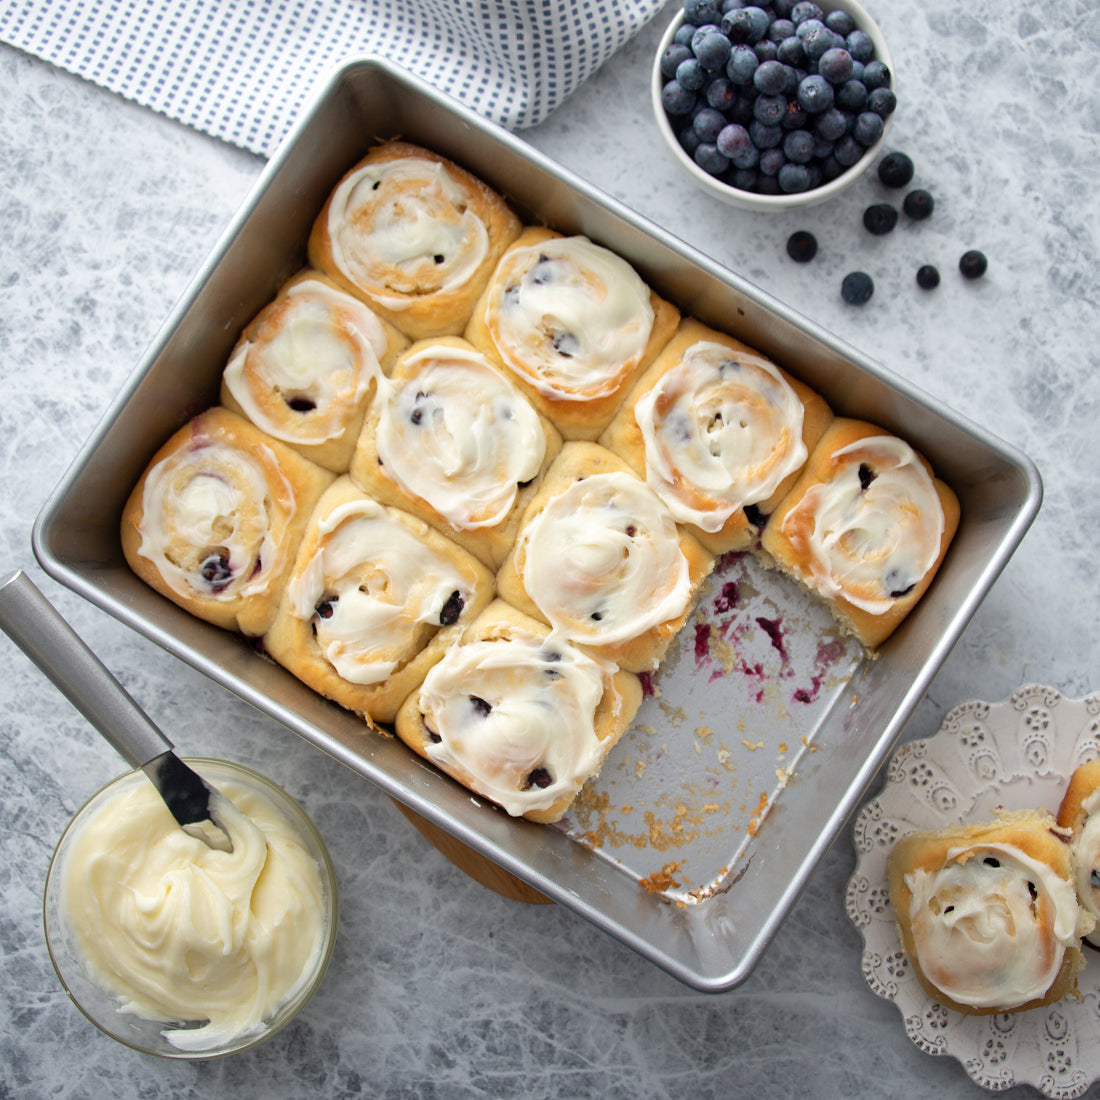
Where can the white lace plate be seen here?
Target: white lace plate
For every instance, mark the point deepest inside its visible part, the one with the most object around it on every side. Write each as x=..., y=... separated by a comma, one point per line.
x=1015, y=754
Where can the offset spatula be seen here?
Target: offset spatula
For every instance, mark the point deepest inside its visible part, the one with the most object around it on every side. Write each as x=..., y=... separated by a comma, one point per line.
x=33, y=623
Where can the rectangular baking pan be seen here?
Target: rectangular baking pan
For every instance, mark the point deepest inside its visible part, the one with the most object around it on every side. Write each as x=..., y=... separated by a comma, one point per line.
x=761, y=731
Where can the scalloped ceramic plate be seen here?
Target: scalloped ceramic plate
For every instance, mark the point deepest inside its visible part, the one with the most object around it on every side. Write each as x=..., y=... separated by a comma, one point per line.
x=1015, y=754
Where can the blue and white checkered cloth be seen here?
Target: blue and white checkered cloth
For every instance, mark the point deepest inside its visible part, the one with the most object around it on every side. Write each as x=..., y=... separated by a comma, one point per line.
x=241, y=69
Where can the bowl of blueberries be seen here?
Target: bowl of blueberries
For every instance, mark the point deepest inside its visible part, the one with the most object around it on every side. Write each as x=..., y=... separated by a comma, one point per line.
x=776, y=106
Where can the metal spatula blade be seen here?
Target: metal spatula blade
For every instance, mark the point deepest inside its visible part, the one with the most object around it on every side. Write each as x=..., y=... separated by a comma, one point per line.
x=33, y=623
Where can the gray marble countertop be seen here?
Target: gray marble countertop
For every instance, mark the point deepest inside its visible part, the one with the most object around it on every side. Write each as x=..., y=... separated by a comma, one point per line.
x=440, y=988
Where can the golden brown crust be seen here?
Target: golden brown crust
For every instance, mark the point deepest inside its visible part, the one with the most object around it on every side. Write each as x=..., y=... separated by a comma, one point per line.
x=789, y=552
x=291, y=486
x=583, y=419
x=427, y=310
x=624, y=436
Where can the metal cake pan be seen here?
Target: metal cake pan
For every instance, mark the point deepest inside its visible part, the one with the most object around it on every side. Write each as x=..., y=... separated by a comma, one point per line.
x=763, y=729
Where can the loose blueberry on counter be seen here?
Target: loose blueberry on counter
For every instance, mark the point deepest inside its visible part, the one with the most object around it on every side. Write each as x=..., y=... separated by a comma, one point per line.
x=880, y=218
x=802, y=246
x=918, y=204
x=928, y=277
x=857, y=288
x=895, y=169
x=973, y=264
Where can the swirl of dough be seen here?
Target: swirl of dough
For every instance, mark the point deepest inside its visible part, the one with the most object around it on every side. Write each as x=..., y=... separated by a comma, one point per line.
x=405, y=228
x=991, y=926
x=373, y=591
x=457, y=434
x=569, y=317
x=602, y=561
x=307, y=362
x=722, y=429
x=872, y=530
x=514, y=716
x=207, y=522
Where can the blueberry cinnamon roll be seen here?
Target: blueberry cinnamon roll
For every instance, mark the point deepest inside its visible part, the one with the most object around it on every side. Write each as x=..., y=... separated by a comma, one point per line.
x=1080, y=813
x=216, y=518
x=517, y=714
x=373, y=600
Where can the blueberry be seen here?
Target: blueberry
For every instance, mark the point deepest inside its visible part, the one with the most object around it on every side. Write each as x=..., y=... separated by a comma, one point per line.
x=802, y=246
x=918, y=204
x=708, y=123
x=780, y=30
x=745, y=26
x=540, y=778
x=711, y=47
x=928, y=277
x=860, y=46
x=700, y=11
x=794, y=178
x=876, y=75
x=676, y=99
x=803, y=10
x=765, y=137
x=744, y=179
x=672, y=57
x=817, y=39
x=770, y=77
x=720, y=94
x=835, y=65
x=771, y=161
x=840, y=22
x=741, y=65
x=831, y=125
x=857, y=288
x=216, y=571
x=973, y=264
x=791, y=51
x=689, y=139
x=852, y=96
x=880, y=218
x=765, y=50
x=684, y=34
x=868, y=128
x=734, y=142
x=823, y=149
x=709, y=159
x=480, y=705
x=769, y=109
x=848, y=151
x=882, y=101
x=895, y=169
x=815, y=94
x=794, y=117
x=452, y=609
x=691, y=74
x=798, y=146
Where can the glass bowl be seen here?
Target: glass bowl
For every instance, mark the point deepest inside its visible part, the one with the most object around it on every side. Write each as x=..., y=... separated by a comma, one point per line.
x=750, y=200
x=102, y=1007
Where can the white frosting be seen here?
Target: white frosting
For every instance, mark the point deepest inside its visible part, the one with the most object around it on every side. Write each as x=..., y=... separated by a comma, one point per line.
x=570, y=317
x=505, y=708
x=721, y=429
x=870, y=543
x=382, y=591
x=603, y=561
x=404, y=228
x=178, y=931
x=315, y=346
x=992, y=934
x=457, y=434
x=206, y=521
x=1086, y=860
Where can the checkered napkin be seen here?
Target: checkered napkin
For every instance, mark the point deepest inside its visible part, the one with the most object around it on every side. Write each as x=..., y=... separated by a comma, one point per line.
x=240, y=69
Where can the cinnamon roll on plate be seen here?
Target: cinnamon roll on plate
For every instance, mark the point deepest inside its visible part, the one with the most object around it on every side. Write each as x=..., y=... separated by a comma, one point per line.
x=373, y=600
x=519, y=715
x=414, y=235
x=719, y=433
x=216, y=518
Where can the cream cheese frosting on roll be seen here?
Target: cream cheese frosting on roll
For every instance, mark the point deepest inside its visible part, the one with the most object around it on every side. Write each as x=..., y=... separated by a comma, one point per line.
x=569, y=317
x=206, y=523
x=314, y=355
x=991, y=927
x=721, y=430
x=178, y=931
x=404, y=228
x=873, y=530
x=516, y=716
x=372, y=589
x=1086, y=859
x=457, y=434
x=602, y=561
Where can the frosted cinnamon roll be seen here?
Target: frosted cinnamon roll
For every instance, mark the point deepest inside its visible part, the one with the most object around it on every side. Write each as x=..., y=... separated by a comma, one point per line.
x=518, y=714
x=303, y=370
x=988, y=913
x=373, y=600
x=413, y=234
x=719, y=433
x=451, y=439
x=574, y=323
x=865, y=527
x=215, y=520
x=600, y=559
x=1080, y=812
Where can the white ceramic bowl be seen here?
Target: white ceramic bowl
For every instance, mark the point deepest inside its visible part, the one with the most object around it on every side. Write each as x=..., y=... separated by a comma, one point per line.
x=100, y=1006
x=747, y=199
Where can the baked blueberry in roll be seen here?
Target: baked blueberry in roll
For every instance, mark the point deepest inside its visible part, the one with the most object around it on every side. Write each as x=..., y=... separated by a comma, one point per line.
x=1080, y=812
x=574, y=323
x=988, y=914
x=865, y=527
x=600, y=558
x=373, y=600
x=216, y=518
x=719, y=432
x=452, y=439
x=413, y=234
x=305, y=367
x=517, y=714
